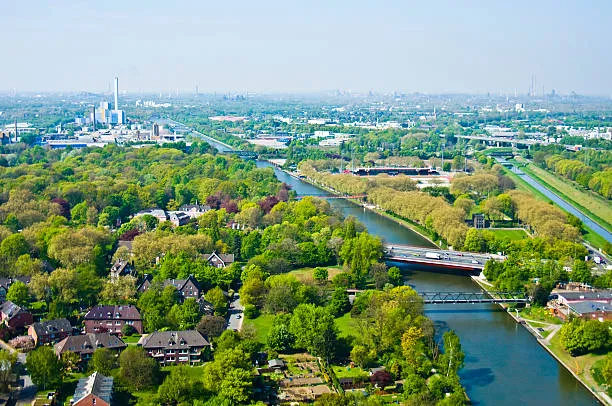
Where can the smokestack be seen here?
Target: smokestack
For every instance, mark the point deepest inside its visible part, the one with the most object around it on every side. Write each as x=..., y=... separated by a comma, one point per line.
x=94, y=117
x=116, y=93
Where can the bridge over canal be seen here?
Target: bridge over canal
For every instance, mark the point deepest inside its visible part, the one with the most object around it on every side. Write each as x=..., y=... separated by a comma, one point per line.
x=470, y=262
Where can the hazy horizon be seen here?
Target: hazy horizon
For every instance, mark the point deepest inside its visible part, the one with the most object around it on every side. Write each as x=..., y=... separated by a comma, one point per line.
x=275, y=47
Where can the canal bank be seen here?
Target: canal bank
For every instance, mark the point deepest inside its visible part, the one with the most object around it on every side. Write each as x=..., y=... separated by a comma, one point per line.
x=504, y=364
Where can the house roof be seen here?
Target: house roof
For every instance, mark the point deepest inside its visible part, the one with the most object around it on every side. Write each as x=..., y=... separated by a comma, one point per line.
x=10, y=310
x=195, y=207
x=595, y=295
x=52, y=327
x=173, y=339
x=276, y=363
x=589, y=306
x=95, y=384
x=125, y=312
x=87, y=343
x=180, y=283
x=7, y=282
x=119, y=266
x=225, y=258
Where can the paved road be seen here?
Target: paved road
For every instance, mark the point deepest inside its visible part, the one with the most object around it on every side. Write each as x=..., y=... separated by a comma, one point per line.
x=234, y=321
x=563, y=204
x=27, y=392
x=451, y=257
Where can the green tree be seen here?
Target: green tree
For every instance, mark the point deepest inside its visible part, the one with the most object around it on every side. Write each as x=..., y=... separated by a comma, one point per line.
x=581, y=272
x=314, y=330
x=218, y=299
x=339, y=303
x=137, y=369
x=320, y=274
x=18, y=293
x=395, y=276
x=179, y=387
x=103, y=360
x=280, y=338
x=211, y=326
x=8, y=361
x=452, y=359
x=44, y=367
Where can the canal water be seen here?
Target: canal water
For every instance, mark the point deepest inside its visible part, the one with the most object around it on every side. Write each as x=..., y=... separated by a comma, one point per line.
x=504, y=364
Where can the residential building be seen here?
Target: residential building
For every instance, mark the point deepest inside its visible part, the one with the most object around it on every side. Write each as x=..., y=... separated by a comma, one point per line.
x=194, y=210
x=96, y=389
x=590, y=310
x=175, y=347
x=112, y=319
x=186, y=287
x=219, y=260
x=50, y=331
x=85, y=344
x=178, y=218
x=157, y=213
x=5, y=284
x=14, y=316
x=121, y=268
x=600, y=296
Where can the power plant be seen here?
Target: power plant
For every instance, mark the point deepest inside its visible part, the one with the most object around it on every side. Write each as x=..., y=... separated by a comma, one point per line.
x=105, y=115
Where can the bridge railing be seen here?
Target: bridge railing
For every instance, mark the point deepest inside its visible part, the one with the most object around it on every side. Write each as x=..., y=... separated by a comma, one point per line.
x=473, y=297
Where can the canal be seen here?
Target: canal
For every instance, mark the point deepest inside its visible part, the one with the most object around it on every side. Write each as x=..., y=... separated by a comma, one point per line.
x=504, y=364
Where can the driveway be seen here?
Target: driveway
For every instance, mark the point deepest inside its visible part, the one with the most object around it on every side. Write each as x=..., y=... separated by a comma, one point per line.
x=234, y=321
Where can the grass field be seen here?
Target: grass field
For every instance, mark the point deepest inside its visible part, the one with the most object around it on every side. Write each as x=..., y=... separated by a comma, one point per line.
x=262, y=325
x=348, y=372
x=594, y=205
x=511, y=234
x=580, y=365
x=539, y=314
x=346, y=325
x=305, y=274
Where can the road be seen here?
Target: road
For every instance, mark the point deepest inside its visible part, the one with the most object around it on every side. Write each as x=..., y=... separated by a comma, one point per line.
x=234, y=322
x=27, y=390
x=563, y=204
x=446, y=257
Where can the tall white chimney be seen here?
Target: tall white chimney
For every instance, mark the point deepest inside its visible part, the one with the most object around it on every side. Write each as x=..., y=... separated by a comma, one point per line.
x=116, y=93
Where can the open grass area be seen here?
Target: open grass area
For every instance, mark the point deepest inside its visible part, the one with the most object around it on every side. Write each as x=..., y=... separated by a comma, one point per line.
x=348, y=372
x=592, y=204
x=131, y=340
x=510, y=234
x=262, y=325
x=598, y=376
x=539, y=314
x=580, y=365
x=346, y=325
x=305, y=274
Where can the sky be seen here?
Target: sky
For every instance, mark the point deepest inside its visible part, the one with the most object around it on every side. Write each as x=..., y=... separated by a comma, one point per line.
x=307, y=46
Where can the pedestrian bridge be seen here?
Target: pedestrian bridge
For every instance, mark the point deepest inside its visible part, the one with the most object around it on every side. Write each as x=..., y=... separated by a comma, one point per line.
x=472, y=297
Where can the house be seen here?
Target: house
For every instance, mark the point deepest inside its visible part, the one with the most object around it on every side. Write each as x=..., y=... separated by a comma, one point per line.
x=112, y=319
x=178, y=218
x=600, y=296
x=194, y=210
x=219, y=260
x=50, y=331
x=590, y=310
x=159, y=214
x=121, y=268
x=14, y=316
x=85, y=344
x=5, y=284
x=186, y=287
x=175, y=347
x=96, y=389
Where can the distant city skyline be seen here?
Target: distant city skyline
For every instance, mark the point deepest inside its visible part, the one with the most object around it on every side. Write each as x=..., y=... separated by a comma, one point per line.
x=309, y=47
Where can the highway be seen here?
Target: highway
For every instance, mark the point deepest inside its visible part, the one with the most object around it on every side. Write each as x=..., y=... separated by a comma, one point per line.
x=445, y=258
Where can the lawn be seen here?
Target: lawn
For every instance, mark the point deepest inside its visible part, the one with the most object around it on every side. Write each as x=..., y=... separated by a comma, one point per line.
x=305, y=274
x=346, y=325
x=580, y=365
x=131, y=340
x=591, y=203
x=539, y=314
x=510, y=234
x=262, y=325
x=598, y=376
x=348, y=372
